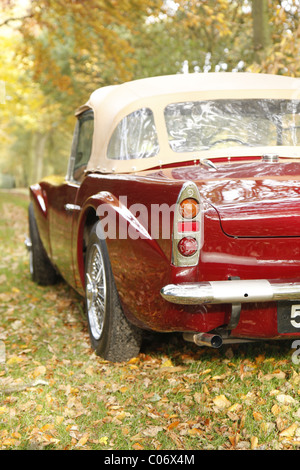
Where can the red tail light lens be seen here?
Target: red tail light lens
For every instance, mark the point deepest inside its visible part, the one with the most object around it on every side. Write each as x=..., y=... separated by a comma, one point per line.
x=189, y=208
x=188, y=226
x=188, y=246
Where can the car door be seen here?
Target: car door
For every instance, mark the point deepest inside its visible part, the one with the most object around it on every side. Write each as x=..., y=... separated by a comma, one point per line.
x=63, y=209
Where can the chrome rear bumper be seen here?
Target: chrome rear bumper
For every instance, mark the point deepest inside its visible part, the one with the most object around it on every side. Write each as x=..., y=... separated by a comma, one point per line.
x=231, y=291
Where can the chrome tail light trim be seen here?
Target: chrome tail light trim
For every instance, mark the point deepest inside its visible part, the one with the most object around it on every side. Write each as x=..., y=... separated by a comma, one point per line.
x=188, y=190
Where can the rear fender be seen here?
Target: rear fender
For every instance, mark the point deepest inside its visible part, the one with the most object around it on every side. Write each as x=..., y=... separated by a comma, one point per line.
x=118, y=223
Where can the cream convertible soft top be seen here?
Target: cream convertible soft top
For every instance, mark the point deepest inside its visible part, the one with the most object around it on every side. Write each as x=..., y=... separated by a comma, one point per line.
x=111, y=104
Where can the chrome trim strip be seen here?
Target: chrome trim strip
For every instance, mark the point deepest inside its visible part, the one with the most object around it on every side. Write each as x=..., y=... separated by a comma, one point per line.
x=231, y=291
x=72, y=207
x=28, y=244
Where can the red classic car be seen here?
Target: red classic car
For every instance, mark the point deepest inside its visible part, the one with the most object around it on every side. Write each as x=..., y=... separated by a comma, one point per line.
x=180, y=211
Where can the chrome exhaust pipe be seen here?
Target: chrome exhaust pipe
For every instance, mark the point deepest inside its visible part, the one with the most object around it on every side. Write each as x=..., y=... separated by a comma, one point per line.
x=204, y=339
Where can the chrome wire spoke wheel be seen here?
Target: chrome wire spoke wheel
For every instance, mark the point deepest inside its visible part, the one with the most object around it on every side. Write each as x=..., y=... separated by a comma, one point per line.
x=111, y=335
x=96, y=292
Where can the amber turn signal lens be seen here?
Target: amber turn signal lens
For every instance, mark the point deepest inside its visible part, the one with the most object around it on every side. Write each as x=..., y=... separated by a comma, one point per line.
x=188, y=246
x=189, y=208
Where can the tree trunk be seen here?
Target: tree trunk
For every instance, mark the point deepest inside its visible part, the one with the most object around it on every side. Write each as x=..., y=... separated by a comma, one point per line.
x=37, y=156
x=40, y=153
x=261, y=33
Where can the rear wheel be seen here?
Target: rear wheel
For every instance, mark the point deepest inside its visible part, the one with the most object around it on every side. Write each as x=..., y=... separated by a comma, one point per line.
x=41, y=269
x=112, y=336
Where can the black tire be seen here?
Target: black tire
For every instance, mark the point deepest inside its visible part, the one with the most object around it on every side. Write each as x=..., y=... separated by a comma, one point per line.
x=41, y=269
x=112, y=336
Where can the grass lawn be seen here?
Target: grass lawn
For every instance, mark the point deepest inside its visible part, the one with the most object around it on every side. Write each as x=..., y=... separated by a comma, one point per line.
x=55, y=393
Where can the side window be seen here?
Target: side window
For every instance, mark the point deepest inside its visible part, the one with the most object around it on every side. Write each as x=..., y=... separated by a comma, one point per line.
x=134, y=137
x=84, y=144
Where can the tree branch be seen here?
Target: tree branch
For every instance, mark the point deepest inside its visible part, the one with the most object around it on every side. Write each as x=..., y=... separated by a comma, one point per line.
x=15, y=19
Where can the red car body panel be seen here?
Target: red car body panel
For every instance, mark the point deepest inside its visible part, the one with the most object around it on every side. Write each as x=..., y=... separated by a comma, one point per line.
x=249, y=202
x=232, y=246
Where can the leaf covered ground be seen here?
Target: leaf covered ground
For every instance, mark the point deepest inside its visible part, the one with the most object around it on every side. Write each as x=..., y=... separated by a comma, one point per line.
x=56, y=394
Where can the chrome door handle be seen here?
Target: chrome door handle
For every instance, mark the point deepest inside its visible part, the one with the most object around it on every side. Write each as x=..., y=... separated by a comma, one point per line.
x=72, y=207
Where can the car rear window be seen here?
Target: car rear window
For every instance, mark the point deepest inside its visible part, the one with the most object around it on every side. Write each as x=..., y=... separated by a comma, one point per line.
x=202, y=125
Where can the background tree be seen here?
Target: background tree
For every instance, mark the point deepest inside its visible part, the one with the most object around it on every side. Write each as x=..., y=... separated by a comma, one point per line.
x=261, y=33
x=208, y=35
x=64, y=50
x=61, y=50
x=282, y=50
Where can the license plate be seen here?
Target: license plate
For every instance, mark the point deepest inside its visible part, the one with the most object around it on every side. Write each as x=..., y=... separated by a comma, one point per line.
x=288, y=317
